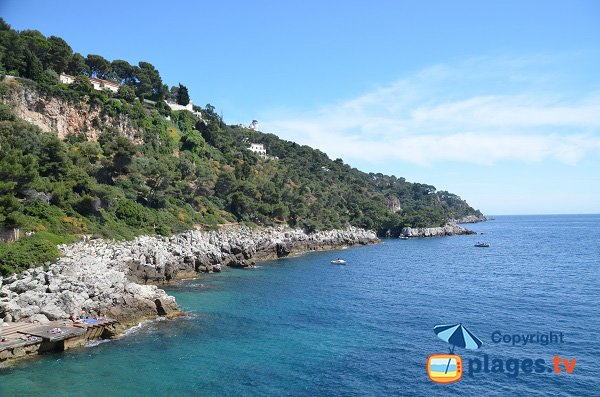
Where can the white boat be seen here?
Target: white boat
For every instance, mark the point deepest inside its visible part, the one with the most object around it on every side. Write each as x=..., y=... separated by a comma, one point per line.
x=338, y=261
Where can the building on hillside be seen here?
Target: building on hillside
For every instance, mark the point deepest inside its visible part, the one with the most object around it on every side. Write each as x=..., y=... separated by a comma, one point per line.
x=99, y=84
x=253, y=125
x=189, y=107
x=259, y=149
x=66, y=78
x=175, y=106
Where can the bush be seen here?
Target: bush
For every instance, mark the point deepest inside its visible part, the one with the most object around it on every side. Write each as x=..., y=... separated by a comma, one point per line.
x=6, y=113
x=83, y=85
x=132, y=213
x=126, y=93
x=30, y=252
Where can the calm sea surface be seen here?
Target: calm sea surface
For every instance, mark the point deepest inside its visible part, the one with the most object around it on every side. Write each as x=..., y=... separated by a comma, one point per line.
x=303, y=327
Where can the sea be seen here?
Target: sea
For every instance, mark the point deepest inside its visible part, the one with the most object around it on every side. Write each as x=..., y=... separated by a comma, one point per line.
x=302, y=326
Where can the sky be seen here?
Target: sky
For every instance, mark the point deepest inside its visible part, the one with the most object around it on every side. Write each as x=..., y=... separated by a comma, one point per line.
x=498, y=102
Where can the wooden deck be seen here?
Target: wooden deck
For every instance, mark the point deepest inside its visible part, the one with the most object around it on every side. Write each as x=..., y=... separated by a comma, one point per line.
x=26, y=334
x=45, y=332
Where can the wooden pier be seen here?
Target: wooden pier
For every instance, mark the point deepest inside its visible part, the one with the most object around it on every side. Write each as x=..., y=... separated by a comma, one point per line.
x=18, y=340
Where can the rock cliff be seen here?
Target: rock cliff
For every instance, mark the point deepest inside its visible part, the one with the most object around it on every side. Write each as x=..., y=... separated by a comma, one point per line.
x=107, y=278
x=52, y=114
x=469, y=219
x=449, y=229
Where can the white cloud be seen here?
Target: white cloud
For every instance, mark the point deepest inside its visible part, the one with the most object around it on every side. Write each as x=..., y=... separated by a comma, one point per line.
x=480, y=111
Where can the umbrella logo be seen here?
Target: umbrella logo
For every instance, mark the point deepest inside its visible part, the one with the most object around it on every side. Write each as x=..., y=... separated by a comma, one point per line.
x=447, y=368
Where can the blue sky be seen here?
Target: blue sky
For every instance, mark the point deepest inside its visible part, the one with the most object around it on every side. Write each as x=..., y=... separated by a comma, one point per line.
x=497, y=102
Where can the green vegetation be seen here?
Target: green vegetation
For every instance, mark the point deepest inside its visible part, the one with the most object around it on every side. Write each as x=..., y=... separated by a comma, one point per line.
x=31, y=251
x=180, y=173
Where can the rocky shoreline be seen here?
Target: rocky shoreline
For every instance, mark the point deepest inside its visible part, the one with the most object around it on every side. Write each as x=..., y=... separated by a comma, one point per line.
x=113, y=279
x=450, y=229
x=469, y=219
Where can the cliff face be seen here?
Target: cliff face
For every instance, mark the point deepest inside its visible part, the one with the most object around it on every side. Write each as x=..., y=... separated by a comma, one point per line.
x=64, y=117
x=107, y=278
x=393, y=203
x=469, y=219
x=449, y=229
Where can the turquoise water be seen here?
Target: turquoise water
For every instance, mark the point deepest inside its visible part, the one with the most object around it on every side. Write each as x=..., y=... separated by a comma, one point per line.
x=303, y=327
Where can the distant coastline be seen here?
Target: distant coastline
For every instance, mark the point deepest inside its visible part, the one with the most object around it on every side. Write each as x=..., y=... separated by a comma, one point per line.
x=451, y=228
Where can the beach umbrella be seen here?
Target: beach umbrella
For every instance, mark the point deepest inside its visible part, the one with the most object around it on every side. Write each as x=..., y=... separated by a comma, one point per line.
x=457, y=335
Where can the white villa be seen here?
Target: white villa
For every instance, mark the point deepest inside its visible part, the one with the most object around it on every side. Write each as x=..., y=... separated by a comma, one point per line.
x=259, y=149
x=98, y=84
x=189, y=107
x=175, y=106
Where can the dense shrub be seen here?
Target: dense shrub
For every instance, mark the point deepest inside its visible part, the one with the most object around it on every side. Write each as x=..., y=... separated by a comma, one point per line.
x=29, y=251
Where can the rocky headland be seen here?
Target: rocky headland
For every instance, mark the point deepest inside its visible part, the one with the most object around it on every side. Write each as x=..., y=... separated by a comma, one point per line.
x=450, y=229
x=118, y=279
x=469, y=219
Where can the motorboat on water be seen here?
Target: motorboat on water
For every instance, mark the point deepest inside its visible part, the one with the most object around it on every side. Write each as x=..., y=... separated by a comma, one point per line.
x=403, y=237
x=482, y=245
x=338, y=261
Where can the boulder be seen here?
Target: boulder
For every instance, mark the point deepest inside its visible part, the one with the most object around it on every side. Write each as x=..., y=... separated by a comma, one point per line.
x=282, y=250
x=38, y=318
x=54, y=312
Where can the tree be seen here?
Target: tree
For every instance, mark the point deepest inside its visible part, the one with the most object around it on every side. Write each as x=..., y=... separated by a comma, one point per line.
x=124, y=154
x=183, y=98
x=3, y=25
x=242, y=206
x=54, y=162
x=6, y=113
x=49, y=76
x=127, y=93
x=121, y=149
x=83, y=84
x=18, y=171
x=77, y=65
x=226, y=183
x=149, y=84
x=123, y=71
x=99, y=67
x=193, y=142
x=12, y=51
x=163, y=108
x=59, y=54
x=33, y=68
x=173, y=94
x=35, y=42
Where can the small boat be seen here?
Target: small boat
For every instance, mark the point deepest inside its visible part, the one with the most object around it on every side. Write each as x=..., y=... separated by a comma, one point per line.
x=338, y=261
x=482, y=245
x=403, y=237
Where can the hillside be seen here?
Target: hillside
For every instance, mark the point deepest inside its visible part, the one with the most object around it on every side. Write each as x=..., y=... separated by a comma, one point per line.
x=79, y=161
